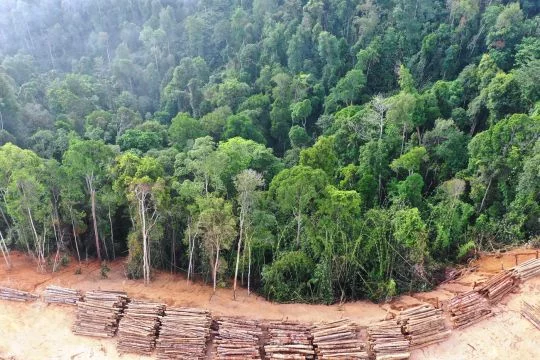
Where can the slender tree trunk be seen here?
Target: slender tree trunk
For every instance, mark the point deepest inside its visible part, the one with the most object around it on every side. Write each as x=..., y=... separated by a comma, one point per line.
x=191, y=246
x=96, y=234
x=216, y=266
x=75, y=236
x=242, y=215
x=5, y=251
x=112, y=234
x=39, y=246
x=173, y=265
x=402, y=140
x=249, y=269
x=145, y=241
x=4, y=217
x=298, y=226
x=485, y=194
x=104, y=238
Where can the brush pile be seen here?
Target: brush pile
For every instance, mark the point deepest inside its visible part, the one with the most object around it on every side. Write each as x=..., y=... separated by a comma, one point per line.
x=16, y=295
x=59, y=295
x=423, y=325
x=498, y=286
x=338, y=340
x=387, y=342
x=98, y=315
x=527, y=270
x=289, y=340
x=468, y=308
x=139, y=327
x=532, y=313
x=183, y=334
x=237, y=339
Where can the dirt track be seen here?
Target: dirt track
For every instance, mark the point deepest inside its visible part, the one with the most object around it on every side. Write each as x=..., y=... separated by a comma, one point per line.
x=37, y=331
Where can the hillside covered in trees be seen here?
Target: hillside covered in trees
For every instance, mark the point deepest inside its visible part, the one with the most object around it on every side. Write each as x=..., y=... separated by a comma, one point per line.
x=316, y=151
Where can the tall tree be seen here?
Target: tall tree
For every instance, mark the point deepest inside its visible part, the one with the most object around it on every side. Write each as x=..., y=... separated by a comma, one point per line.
x=247, y=182
x=87, y=163
x=217, y=225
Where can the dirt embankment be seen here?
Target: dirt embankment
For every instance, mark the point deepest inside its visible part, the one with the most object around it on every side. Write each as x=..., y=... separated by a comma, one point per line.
x=38, y=331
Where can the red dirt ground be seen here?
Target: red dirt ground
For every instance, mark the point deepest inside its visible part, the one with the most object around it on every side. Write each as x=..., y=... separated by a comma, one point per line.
x=39, y=331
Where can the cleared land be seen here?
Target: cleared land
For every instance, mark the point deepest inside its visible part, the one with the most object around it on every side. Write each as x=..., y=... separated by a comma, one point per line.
x=40, y=331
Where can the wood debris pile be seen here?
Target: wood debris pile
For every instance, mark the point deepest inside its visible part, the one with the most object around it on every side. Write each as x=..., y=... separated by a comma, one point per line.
x=59, y=295
x=498, y=286
x=139, y=327
x=423, y=325
x=289, y=340
x=16, y=295
x=531, y=312
x=237, y=339
x=387, y=342
x=99, y=313
x=527, y=270
x=183, y=334
x=338, y=340
x=468, y=308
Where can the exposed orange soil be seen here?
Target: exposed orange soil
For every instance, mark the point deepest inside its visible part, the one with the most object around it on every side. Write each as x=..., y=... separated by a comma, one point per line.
x=40, y=331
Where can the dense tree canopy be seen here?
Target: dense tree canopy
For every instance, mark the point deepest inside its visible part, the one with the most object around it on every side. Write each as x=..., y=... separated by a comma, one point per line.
x=313, y=150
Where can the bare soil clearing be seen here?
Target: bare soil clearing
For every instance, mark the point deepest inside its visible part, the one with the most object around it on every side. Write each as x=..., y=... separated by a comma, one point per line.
x=40, y=331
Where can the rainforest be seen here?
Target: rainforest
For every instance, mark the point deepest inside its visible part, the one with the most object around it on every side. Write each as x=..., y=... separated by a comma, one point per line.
x=309, y=151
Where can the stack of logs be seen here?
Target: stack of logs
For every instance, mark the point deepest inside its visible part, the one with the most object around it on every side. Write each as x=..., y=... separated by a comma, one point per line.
x=139, y=327
x=338, y=340
x=289, y=340
x=468, y=308
x=99, y=313
x=423, y=325
x=532, y=313
x=59, y=295
x=498, y=286
x=16, y=295
x=237, y=339
x=528, y=269
x=387, y=342
x=184, y=333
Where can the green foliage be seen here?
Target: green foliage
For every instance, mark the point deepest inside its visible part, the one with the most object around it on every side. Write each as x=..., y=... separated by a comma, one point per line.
x=321, y=156
x=242, y=126
x=287, y=279
x=184, y=130
x=411, y=160
x=298, y=137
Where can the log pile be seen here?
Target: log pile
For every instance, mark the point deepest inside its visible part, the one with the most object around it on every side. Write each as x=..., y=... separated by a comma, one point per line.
x=498, y=286
x=532, y=313
x=423, y=325
x=16, y=295
x=183, y=334
x=289, y=340
x=468, y=308
x=99, y=313
x=527, y=270
x=237, y=339
x=387, y=342
x=338, y=340
x=138, y=328
x=59, y=295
